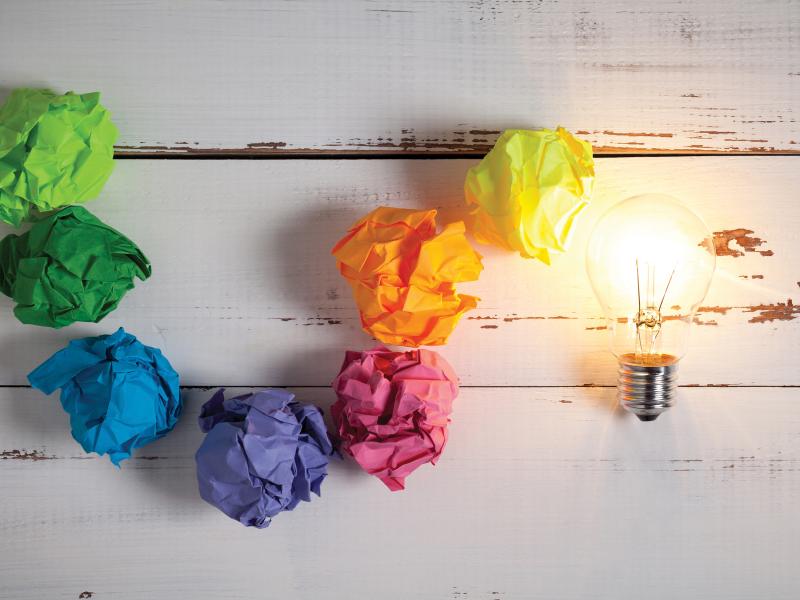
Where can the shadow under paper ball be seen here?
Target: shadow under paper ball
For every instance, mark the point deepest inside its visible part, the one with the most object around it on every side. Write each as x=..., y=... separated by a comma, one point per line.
x=167, y=466
x=320, y=315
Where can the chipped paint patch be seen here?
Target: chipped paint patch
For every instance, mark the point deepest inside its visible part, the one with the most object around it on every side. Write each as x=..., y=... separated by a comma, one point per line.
x=268, y=145
x=637, y=134
x=774, y=312
x=317, y=321
x=722, y=310
x=435, y=146
x=34, y=455
x=697, y=321
x=743, y=238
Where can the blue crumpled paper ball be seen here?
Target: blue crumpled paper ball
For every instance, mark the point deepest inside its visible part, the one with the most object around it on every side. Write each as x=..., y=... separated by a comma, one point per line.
x=119, y=393
x=263, y=454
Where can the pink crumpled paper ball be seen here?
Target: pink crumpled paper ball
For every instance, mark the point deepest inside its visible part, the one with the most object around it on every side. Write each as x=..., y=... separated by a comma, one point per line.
x=393, y=409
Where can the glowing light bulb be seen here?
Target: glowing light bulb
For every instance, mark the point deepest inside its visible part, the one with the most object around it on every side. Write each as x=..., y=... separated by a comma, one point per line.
x=650, y=261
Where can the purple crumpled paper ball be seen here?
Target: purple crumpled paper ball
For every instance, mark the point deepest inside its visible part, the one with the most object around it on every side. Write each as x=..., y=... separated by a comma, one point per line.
x=263, y=454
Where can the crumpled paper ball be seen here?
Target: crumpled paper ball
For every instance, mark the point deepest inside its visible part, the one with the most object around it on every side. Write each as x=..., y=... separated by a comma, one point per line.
x=264, y=453
x=55, y=149
x=527, y=191
x=119, y=393
x=403, y=275
x=68, y=267
x=393, y=409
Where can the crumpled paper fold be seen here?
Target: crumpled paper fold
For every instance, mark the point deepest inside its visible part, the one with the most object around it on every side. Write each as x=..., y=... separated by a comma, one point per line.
x=55, y=150
x=393, y=409
x=68, y=267
x=264, y=453
x=119, y=393
x=403, y=275
x=527, y=191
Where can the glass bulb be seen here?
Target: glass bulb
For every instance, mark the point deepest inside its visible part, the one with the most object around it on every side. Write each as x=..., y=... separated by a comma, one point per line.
x=650, y=261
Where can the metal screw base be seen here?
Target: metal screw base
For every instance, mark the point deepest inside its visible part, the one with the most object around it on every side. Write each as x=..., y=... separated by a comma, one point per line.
x=647, y=390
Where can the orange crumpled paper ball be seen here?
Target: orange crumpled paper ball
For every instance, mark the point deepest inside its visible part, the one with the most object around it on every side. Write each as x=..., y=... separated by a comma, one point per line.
x=403, y=275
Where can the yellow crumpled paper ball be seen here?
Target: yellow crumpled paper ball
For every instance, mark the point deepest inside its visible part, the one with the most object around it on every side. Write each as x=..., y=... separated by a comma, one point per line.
x=403, y=275
x=527, y=191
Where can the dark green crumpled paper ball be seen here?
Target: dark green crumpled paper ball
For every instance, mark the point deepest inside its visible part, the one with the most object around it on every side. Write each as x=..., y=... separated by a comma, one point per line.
x=68, y=267
x=55, y=150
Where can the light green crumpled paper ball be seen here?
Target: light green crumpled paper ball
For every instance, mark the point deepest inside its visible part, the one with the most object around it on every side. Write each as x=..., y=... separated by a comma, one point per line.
x=55, y=150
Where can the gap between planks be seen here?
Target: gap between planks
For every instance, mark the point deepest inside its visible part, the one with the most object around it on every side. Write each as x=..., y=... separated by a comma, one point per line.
x=463, y=387
x=310, y=154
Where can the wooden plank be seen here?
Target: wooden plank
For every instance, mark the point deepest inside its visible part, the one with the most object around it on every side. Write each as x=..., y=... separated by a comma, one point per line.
x=417, y=75
x=547, y=482
x=244, y=291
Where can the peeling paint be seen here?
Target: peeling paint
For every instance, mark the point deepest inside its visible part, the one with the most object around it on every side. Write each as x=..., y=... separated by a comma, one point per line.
x=774, y=312
x=537, y=318
x=270, y=145
x=766, y=312
x=34, y=455
x=743, y=238
x=429, y=146
x=697, y=321
x=723, y=310
x=638, y=134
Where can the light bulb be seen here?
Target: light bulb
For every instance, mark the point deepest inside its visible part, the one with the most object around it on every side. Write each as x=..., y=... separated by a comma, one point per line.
x=650, y=261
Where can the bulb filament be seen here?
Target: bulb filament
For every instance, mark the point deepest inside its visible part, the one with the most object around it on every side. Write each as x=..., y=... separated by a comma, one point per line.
x=648, y=319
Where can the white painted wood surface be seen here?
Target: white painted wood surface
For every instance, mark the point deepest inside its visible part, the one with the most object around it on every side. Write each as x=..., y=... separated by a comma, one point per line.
x=244, y=290
x=546, y=489
x=541, y=493
x=418, y=75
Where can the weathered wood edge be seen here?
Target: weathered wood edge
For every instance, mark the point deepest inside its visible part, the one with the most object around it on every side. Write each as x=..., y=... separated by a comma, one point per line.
x=171, y=152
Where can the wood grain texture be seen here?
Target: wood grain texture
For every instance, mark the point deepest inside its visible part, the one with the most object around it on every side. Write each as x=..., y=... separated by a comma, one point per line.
x=245, y=292
x=244, y=76
x=541, y=493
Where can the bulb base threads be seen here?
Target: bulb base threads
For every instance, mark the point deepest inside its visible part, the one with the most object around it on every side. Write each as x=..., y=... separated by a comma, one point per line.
x=647, y=390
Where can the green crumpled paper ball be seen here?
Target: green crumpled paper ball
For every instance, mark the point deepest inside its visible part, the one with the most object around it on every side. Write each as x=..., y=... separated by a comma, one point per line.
x=527, y=192
x=68, y=267
x=55, y=150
